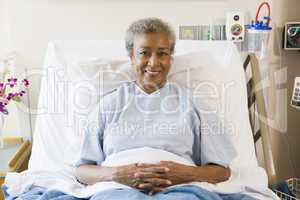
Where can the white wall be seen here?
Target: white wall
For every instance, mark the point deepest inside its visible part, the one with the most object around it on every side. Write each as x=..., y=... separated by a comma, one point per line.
x=287, y=142
x=3, y=28
x=33, y=23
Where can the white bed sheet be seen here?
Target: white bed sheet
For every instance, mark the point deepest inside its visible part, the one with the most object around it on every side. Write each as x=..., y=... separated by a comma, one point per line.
x=72, y=69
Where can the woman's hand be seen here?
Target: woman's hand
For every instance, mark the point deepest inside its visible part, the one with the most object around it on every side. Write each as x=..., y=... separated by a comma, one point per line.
x=152, y=178
x=130, y=175
x=174, y=174
x=178, y=173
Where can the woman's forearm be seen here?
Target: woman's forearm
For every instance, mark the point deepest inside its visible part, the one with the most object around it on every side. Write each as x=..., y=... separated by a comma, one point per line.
x=90, y=174
x=211, y=173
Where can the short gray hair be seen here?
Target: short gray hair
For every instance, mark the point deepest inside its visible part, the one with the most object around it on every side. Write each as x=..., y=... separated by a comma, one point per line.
x=148, y=25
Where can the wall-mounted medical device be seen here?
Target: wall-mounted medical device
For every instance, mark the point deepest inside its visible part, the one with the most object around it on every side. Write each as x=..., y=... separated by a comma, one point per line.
x=235, y=26
x=295, y=102
x=292, y=36
x=258, y=33
x=202, y=32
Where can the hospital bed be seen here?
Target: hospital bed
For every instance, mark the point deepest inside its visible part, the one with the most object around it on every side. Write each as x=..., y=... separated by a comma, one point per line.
x=75, y=70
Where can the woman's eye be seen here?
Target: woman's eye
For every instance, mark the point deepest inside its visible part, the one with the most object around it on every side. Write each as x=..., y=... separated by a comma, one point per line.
x=143, y=53
x=163, y=54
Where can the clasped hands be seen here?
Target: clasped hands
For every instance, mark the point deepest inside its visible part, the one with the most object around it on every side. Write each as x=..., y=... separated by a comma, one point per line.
x=153, y=178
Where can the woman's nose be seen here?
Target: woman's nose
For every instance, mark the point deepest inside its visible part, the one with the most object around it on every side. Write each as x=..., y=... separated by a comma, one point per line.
x=153, y=61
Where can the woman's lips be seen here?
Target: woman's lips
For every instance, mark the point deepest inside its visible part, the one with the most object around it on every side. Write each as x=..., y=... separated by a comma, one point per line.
x=152, y=72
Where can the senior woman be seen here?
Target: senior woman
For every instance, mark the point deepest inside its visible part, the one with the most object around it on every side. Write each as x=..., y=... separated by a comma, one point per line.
x=160, y=116
x=147, y=104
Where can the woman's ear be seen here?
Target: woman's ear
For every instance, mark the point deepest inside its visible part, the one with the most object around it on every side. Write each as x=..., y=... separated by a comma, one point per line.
x=131, y=58
x=130, y=54
x=172, y=59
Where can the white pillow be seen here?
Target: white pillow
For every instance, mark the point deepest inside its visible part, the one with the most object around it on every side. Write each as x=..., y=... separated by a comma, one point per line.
x=71, y=90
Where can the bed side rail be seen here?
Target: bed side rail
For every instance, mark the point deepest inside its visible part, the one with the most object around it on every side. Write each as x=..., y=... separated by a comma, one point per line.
x=258, y=113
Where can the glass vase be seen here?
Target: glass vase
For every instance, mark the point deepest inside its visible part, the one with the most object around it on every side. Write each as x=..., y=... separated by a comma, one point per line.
x=1, y=128
x=1, y=123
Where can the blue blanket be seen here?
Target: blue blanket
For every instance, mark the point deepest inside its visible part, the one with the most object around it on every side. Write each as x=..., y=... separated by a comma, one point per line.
x=178, y=193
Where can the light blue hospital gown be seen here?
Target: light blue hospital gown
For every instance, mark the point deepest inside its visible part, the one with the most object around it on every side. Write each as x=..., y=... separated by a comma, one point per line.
x=166, y=119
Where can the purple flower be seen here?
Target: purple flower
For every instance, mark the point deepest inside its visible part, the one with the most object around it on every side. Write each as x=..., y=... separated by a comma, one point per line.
x=1, y=89
x=12, y=81
x=3, y=109
x=25, y=82
x=10, y=96
x=21, y=93
x=3, y=101
x=6, y=95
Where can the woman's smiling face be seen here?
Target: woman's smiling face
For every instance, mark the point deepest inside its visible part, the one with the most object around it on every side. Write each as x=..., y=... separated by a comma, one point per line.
x=151, y=57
